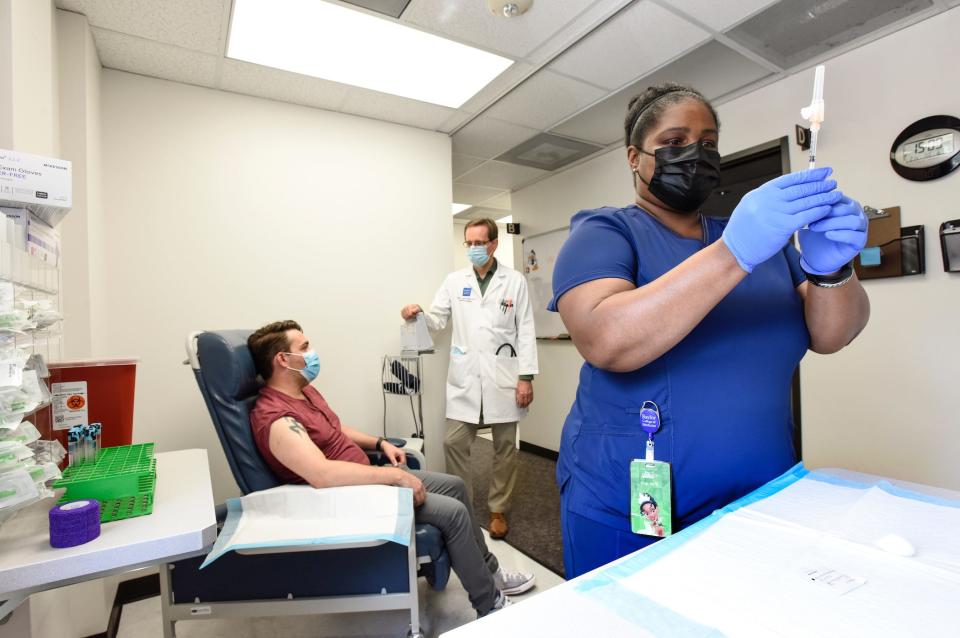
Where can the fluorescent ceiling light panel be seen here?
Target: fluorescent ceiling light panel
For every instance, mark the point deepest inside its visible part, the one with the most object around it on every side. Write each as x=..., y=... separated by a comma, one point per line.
x=332, y=42
x=459, y=208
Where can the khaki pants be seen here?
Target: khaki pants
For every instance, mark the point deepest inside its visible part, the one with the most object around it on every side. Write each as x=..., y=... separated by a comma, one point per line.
x=456, y=447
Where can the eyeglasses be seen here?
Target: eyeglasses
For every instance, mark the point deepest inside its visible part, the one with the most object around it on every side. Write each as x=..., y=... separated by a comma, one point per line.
x=470, y=244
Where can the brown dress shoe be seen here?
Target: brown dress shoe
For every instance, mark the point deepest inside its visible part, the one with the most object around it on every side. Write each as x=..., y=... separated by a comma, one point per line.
x=498, y=525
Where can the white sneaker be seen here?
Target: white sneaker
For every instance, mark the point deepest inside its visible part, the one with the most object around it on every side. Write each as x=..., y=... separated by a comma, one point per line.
x=513, y=583
x=498, y=604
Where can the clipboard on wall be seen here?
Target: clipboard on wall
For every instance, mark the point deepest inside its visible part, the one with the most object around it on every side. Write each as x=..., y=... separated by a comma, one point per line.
x=883, y=232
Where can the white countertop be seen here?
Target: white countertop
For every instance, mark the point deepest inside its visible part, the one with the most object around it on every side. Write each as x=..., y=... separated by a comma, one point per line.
x=182, y=524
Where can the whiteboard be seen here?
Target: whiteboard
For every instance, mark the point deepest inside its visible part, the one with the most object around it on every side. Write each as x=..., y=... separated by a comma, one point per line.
x=539, y=256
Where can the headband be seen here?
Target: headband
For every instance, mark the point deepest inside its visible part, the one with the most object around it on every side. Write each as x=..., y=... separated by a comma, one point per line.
x=633, y=129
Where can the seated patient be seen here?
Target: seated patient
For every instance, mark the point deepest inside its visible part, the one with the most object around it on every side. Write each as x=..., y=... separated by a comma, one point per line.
x=302, y=440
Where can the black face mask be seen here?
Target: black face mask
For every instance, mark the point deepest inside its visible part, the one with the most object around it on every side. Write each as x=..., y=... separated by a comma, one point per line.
x=684, y=176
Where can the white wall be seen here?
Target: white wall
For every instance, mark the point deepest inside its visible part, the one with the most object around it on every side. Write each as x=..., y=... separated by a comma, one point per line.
x=227, y=211
x=81, y=231
x=885, y=404
x=29, y=116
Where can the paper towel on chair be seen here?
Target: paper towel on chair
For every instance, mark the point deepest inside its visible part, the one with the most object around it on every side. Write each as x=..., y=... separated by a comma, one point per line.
x=298, y=515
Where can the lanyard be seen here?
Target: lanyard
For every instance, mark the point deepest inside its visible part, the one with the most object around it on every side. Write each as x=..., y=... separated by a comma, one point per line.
x=649, y=423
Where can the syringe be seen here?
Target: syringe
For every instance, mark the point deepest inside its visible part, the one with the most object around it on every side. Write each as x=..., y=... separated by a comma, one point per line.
x=814, y=113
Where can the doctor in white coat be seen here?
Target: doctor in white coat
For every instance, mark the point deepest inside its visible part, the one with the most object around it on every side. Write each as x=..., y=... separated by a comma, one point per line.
x=493, y=357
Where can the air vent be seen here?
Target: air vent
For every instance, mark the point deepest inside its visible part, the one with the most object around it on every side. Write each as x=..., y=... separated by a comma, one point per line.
x=392, y=8
x=790, y=33
x=548, y=152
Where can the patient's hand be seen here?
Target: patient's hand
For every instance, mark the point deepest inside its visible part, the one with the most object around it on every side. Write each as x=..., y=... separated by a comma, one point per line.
x=407, y=479
x=395, y=455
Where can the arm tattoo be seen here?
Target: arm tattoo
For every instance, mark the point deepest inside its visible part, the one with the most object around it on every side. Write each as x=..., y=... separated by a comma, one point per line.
x=294, y=426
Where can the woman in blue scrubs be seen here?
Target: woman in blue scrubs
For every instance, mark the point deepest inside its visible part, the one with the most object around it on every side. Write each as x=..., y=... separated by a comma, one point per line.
x=707, y=318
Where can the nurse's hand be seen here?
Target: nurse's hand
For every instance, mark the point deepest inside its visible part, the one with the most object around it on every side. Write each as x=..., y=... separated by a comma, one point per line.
x=832, y=242
x=410, y=311
x=767, y=217
x=524, y=393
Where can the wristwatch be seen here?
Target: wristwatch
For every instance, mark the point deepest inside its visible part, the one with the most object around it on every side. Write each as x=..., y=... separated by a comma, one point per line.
x=835, y=280
x=379, y=445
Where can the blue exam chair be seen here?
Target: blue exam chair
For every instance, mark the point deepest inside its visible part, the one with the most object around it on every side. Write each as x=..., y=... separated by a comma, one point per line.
x=314, y=580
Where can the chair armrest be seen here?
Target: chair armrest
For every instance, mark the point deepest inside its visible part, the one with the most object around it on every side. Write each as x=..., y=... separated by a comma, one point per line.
x=415, y=459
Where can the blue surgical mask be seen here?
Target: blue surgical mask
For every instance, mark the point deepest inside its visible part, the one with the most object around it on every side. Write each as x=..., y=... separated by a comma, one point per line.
x=477, y=255
x=311, y=361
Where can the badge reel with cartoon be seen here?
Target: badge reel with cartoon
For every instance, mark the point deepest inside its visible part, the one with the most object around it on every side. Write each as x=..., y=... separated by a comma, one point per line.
x=650, y=506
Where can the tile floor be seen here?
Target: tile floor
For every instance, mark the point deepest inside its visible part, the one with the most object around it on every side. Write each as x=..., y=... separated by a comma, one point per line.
x=439, y=612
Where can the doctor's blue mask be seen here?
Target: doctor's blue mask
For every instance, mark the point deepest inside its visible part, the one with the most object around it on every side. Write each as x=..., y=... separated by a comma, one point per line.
x=477, y=255
x=311, y=367
x=684, y=176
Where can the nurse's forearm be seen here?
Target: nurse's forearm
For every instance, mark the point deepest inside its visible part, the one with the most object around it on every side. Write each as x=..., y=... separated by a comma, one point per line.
x=631, y=327
x=835, y=316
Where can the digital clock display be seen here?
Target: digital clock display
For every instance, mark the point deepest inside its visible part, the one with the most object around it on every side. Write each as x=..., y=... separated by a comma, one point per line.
x=928, y=148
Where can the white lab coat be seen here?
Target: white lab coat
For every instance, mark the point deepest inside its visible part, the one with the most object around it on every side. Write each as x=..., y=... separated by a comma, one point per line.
x=480, y=326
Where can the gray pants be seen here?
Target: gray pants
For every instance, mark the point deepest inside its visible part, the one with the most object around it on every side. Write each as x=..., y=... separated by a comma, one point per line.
x=448, y=509
x=456, y=447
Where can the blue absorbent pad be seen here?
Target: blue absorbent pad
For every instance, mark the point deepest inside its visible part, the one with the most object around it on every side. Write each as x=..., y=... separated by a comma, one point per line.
x=606, y=586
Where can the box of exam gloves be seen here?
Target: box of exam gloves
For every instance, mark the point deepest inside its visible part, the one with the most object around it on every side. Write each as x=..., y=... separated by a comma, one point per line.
x=42, y=185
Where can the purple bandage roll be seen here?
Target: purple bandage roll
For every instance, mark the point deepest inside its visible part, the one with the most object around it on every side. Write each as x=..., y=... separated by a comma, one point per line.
x=74, y=523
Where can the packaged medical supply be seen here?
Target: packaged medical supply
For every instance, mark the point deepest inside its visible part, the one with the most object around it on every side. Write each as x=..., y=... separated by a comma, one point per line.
x=24, y=434
x=16, y=489
x=14, y=457
x=40, y=312
x=42, y=185
x=49, y=452
x=44, y=472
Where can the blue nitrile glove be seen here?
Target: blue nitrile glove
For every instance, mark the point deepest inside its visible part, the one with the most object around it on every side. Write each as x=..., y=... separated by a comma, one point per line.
x=767, y=217
x=834, y=240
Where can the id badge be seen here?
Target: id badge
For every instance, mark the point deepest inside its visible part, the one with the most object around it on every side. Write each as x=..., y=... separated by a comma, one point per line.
x=650, y=506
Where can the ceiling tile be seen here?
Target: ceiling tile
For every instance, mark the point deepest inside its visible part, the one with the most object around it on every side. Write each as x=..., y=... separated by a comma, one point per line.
x=500, y=84
x=720, y=15
x=503, y=201
x=472, y=22
x=790, y=33
x=601, y=124
x=595, y=14
x=392, y=108
x=468, y=194
x=392, y=8
x=486, y=137
x=501, y=175
x=464, y=163
x=712, y=69
x=146, y=57
x=527, y=105
x=274, y=84
x=194, y=25
x=614, y=55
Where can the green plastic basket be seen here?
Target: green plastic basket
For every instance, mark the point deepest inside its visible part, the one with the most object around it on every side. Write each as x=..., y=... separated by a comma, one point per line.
x=122, y=478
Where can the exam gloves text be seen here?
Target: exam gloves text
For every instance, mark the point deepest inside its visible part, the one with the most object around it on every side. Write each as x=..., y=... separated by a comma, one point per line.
x=767, y=217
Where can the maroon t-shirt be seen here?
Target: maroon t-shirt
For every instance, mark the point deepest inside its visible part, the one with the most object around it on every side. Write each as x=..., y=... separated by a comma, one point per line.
x=320, y=422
